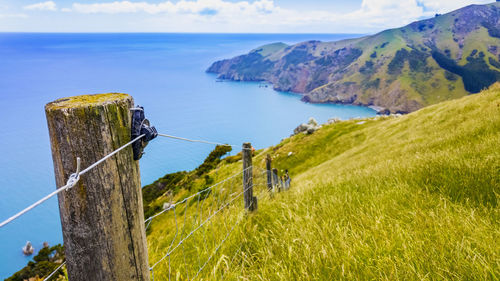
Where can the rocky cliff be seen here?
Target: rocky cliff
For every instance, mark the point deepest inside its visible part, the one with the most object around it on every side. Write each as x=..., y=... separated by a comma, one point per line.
x=400, y=70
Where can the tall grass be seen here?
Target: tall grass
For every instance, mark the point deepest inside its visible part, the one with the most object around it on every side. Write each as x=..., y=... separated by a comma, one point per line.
x=408, y=198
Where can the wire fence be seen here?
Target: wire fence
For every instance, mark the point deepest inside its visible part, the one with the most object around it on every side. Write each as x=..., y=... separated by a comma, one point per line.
x=53, y=272
x=72, y=181
x=190, y=235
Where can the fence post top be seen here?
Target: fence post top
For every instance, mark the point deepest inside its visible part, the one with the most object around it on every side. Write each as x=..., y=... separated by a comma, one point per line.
x=247, y=145
x=85, y=101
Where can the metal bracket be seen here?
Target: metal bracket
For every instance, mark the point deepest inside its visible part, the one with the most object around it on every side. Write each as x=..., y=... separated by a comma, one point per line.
x=141, y=126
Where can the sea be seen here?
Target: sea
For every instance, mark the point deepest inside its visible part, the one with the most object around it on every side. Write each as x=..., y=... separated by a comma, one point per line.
x=165, y=73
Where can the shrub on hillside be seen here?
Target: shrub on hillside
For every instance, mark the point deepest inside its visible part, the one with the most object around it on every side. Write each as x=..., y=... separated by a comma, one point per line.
x=213, y=159
x=417, y=60
x=476, y=74
x=45, y=262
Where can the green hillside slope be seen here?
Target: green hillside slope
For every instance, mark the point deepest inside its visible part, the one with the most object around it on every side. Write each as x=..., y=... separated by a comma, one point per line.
x=402, y=70
x=391, y=198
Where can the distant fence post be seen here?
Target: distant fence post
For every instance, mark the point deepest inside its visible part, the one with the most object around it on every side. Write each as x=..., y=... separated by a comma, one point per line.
x=269, y=173
x=276, y=179
x=102, y=215
x=250, y=200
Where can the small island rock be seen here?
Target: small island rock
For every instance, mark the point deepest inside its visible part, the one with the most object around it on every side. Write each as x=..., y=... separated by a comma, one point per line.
x=28, y=249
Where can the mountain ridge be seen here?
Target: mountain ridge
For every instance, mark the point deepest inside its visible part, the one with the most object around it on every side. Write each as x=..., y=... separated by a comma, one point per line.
x=401, y=69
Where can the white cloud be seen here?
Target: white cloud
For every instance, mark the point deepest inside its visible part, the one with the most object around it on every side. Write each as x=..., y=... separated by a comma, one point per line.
x=395, y=13
x=265, y=15
x=385, y=13
x=181, y=7
x=43, y=6
x=443, y=6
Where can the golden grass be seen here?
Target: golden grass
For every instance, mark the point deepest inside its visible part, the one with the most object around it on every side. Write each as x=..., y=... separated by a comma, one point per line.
x=408, y=198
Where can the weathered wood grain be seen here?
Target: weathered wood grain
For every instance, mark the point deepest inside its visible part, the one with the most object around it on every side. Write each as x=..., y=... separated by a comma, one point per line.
x=250, y=200
x=269, y=173
x=102, y=216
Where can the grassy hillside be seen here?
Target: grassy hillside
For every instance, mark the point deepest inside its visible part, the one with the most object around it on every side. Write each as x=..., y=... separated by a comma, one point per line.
x=408, y=198
x=402, y=69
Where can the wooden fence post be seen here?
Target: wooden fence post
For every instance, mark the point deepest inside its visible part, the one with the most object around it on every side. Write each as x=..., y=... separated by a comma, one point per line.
x=269, y=173
x=250, y=200
x=102, y=215
x=276, y=179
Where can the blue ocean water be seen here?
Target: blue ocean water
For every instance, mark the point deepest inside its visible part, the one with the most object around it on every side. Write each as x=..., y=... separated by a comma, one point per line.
x=165, y=73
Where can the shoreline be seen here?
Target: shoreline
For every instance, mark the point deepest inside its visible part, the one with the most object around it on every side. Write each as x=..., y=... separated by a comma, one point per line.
x=380, y=110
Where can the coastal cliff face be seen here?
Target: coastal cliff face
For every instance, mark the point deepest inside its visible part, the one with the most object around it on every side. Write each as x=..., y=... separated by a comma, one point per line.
x=401, y=69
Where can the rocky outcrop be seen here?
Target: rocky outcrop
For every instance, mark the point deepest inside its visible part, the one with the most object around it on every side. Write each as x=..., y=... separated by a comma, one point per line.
x=333, y=120
x=307, y=128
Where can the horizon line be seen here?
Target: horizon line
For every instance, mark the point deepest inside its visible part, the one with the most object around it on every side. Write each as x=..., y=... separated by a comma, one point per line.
x=167, y=32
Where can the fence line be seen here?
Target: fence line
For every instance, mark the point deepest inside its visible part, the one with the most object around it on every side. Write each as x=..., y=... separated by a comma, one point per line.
x=200, y=141
x=72, y=181
x=75, y=177
x=232, y=260
x=186, y=229
x=193, y=195
x=205, y=193
x=216, y=250
x=201, y=224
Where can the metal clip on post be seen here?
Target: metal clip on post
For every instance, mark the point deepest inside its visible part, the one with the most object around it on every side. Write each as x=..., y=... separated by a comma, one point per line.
x=75, y=177
x=141, y=126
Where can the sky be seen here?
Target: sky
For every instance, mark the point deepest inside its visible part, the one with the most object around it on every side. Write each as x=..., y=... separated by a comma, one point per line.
x=218, y=16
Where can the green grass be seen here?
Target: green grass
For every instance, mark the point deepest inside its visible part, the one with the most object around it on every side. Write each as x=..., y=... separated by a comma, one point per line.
x=408, y=198
x=269, y=49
